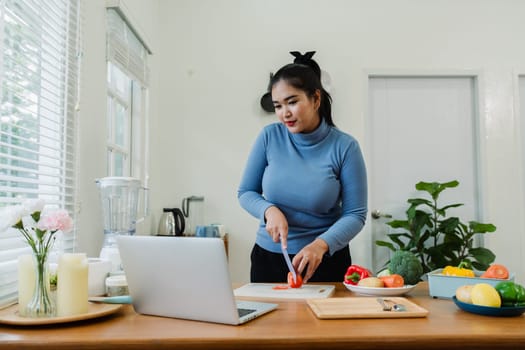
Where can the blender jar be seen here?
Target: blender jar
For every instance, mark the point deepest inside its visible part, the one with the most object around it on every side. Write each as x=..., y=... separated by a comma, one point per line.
x=119, y=199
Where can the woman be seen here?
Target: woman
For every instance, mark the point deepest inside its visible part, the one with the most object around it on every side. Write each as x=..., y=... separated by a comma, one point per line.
x=305, y=180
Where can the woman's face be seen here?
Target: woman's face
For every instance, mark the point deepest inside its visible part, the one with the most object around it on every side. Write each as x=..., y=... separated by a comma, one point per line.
x=295, y=109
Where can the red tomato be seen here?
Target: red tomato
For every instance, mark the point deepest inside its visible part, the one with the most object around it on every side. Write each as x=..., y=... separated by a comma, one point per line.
x=496, y=271
x=393, y=281
x=298, y=282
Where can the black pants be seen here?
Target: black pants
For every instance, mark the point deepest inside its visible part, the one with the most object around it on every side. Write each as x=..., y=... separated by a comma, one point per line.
x=270, y=267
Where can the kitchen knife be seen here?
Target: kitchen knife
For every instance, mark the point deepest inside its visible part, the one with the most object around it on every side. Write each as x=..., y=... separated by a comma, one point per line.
x=119, y=299
x=289, y=263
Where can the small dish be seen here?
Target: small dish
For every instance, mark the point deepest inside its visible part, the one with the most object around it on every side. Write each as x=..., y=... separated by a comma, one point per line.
x=504, y=311
x=379, y=291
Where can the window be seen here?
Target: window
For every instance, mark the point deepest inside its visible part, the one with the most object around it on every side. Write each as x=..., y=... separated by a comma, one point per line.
x=38, y=88
x=127, y=77
x=119, y=121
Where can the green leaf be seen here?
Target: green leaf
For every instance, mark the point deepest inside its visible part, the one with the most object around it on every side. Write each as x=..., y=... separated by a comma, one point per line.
x=386, y=244
x=440, y=212
x=478, y=227
x=451, y=249
x=399, y=224
x=452, y=206
x=395, y=237
x=479, y=266
x=418, y=201
x=451, y=184
x=449, y=225
x=420, y=244
x=453, y=241
x=435, y=188
x=483, y=255
x=429, y=187
x=421, y=219
x=437, y=257
x=40, y=233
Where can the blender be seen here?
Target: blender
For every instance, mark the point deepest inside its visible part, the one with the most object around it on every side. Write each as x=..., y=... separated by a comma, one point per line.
x=119, y=199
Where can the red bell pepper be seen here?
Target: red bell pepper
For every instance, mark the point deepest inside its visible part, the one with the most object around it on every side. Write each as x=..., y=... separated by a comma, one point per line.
x=355, y=273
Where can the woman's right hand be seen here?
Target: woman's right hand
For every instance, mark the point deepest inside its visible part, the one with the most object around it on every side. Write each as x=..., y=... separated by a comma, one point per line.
x=276, y=225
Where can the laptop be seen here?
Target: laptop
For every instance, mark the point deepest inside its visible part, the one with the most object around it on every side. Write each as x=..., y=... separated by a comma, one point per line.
x=184, y=277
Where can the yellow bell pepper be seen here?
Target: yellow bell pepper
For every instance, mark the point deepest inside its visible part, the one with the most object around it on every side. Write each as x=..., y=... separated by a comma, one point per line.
x=458, y=271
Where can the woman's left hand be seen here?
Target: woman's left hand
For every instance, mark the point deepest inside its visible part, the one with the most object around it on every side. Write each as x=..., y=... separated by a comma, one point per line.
x=310, y=257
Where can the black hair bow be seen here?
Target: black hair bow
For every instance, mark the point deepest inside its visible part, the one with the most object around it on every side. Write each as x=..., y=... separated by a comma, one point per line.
x=302, y=59
x=307, y=60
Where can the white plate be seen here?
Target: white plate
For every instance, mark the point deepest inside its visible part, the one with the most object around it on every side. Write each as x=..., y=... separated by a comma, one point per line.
x=379, y=291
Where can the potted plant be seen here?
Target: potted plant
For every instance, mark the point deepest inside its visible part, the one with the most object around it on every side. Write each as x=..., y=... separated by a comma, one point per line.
x=438, y=240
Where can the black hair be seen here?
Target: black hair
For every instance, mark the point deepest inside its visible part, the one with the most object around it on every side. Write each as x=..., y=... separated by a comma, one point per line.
x=305, y=74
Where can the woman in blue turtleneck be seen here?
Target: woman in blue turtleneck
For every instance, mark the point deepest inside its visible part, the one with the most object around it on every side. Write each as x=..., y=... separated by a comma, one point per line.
x=305, y=180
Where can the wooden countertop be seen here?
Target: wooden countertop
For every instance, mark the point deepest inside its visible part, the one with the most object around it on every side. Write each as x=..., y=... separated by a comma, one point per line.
x=291, y=326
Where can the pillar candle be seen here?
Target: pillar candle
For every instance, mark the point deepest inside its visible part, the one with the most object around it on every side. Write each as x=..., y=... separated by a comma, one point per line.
x=72, y=284
x=26, y=281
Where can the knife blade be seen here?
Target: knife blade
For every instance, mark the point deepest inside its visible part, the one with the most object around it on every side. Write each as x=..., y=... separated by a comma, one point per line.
x=289, y=263
x=119, y=299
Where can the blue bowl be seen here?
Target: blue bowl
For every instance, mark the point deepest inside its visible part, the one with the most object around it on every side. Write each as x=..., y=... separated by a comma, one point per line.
x=504, y=311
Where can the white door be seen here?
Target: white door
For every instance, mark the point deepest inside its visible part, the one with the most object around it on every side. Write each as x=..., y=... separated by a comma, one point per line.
x=420, y=129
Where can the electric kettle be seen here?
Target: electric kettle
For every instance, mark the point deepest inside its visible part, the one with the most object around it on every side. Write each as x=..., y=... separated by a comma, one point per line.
x=171, y=222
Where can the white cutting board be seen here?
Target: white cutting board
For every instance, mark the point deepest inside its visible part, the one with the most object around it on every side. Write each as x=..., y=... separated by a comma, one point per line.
x=266, y=290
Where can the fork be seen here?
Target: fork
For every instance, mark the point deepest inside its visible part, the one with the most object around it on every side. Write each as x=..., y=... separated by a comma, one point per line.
x=395, y=306
x=383, y=304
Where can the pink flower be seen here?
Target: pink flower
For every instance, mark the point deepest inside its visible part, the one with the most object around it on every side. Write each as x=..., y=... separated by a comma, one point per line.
x=58, y=220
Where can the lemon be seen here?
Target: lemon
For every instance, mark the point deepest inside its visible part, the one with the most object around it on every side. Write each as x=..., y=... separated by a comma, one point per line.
x=464, y=293
x=485, y=295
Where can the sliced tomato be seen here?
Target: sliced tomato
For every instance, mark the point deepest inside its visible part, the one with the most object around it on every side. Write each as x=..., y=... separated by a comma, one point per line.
x=280, y=287
x=297, y=283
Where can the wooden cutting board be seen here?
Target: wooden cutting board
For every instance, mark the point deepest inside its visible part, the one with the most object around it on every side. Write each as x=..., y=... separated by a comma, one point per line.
x=362, y=307
x=267, y=290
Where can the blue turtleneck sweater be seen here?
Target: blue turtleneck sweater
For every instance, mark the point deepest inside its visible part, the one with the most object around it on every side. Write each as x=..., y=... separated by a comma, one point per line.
x=318, y=180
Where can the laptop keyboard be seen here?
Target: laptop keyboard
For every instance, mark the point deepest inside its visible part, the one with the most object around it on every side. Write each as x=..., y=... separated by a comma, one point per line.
x=243, y=312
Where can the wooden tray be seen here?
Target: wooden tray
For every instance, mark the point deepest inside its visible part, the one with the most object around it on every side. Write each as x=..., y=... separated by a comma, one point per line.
x=10, y=315
x=362, y=307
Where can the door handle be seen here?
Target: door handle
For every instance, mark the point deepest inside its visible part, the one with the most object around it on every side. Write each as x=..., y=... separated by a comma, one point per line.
x=377, y=214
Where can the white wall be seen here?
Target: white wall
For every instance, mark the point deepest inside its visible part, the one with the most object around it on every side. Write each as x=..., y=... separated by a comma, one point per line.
x=211, y=64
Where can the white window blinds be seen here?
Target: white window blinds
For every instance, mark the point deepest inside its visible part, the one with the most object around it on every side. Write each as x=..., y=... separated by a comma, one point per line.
x=125, y=48
x=39, y=53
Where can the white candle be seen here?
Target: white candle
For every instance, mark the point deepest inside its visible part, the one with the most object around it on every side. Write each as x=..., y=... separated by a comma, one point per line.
x=72, y=284
x=26, y=281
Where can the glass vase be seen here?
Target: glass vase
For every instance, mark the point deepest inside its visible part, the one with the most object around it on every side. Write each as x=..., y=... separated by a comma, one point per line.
x=41, y=304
